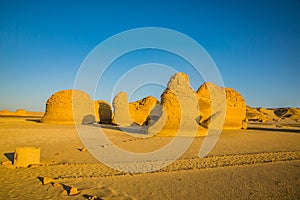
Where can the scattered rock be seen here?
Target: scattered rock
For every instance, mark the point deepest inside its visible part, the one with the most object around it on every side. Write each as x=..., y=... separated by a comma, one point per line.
x=82, y=149
x=69, y=106
x=6, y=163
x=73, y=191
x=47, y=180
x=56, y=184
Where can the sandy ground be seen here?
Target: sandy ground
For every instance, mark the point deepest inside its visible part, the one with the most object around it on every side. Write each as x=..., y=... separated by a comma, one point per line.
x=260, y=163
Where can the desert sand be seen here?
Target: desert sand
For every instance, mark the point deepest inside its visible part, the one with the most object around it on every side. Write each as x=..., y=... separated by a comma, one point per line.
x=258, y=163
x=257, y=155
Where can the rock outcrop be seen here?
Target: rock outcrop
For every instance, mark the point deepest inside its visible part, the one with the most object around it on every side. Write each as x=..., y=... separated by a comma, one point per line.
x=103, y=112
x=69, y=106
x=273, y=114
x=180, y=109
x=235, y=106
x=121, y=110
x=140, y=110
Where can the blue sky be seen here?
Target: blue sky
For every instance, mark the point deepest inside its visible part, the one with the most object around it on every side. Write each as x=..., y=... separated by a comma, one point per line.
x=255, y=44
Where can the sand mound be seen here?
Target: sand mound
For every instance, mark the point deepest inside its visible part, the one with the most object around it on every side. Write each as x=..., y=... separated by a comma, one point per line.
x=121, y=110
x=69, y=106
x=103, y=112
x=180, y=107
x=235, y=106
x=140, y=110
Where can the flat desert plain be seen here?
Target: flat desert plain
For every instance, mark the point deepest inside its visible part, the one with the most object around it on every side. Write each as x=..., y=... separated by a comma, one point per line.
x=257, y=163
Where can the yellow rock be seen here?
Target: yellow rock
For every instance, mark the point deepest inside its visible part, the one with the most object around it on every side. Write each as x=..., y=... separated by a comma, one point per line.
x=69, y=106
x=73, y=191
x=103, y=112
x=140, y=110
x=56, y=184
x=121, y=110
x=83, y=149
x=180, y=109
x=235, y=106
x=6, y=163
x=25, y=156
x=47, y=180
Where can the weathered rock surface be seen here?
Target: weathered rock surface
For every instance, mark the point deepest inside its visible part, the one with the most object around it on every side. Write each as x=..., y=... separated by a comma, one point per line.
x=140, y=110
x=69, y=106
x=235, y=106
x=121, y=110
x=180, y=109
x=25, y=156
x=103, y=112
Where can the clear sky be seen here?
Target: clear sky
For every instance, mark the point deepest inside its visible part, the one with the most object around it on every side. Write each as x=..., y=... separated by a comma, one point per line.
x=255, y=44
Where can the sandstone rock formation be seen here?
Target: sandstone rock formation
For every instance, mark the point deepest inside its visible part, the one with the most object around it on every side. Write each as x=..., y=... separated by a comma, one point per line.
x=69, y=106
x=140, y=110
x=180, y=109
x=121, y=110
x=103, y=112
x=235, y=106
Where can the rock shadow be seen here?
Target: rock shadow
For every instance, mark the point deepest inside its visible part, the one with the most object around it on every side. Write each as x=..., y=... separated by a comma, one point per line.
x=275, y=129
x=10, y=156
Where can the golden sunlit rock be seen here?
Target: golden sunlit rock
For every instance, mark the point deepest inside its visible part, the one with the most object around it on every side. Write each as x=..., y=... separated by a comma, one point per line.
x=235, y=105
x=25, y=156
x=140, y=110
x=69, y=106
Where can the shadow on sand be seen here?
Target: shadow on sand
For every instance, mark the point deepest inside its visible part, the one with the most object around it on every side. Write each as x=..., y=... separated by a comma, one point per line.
x=275, y=129
x=34, y=120
x=128, y=129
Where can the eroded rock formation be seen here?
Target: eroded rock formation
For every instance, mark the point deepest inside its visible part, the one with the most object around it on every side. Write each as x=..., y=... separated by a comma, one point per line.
x=140, y=110
x=180, y=109
x=235, y=106
x=69, y=106
x=103, y=112
x=121, y=110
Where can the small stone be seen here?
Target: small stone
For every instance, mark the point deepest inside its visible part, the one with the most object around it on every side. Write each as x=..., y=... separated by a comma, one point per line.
x=47, y=180
x=55, y=184
x=82, y=149
x=93, y=198
x=6, y=163
x=73, y=191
